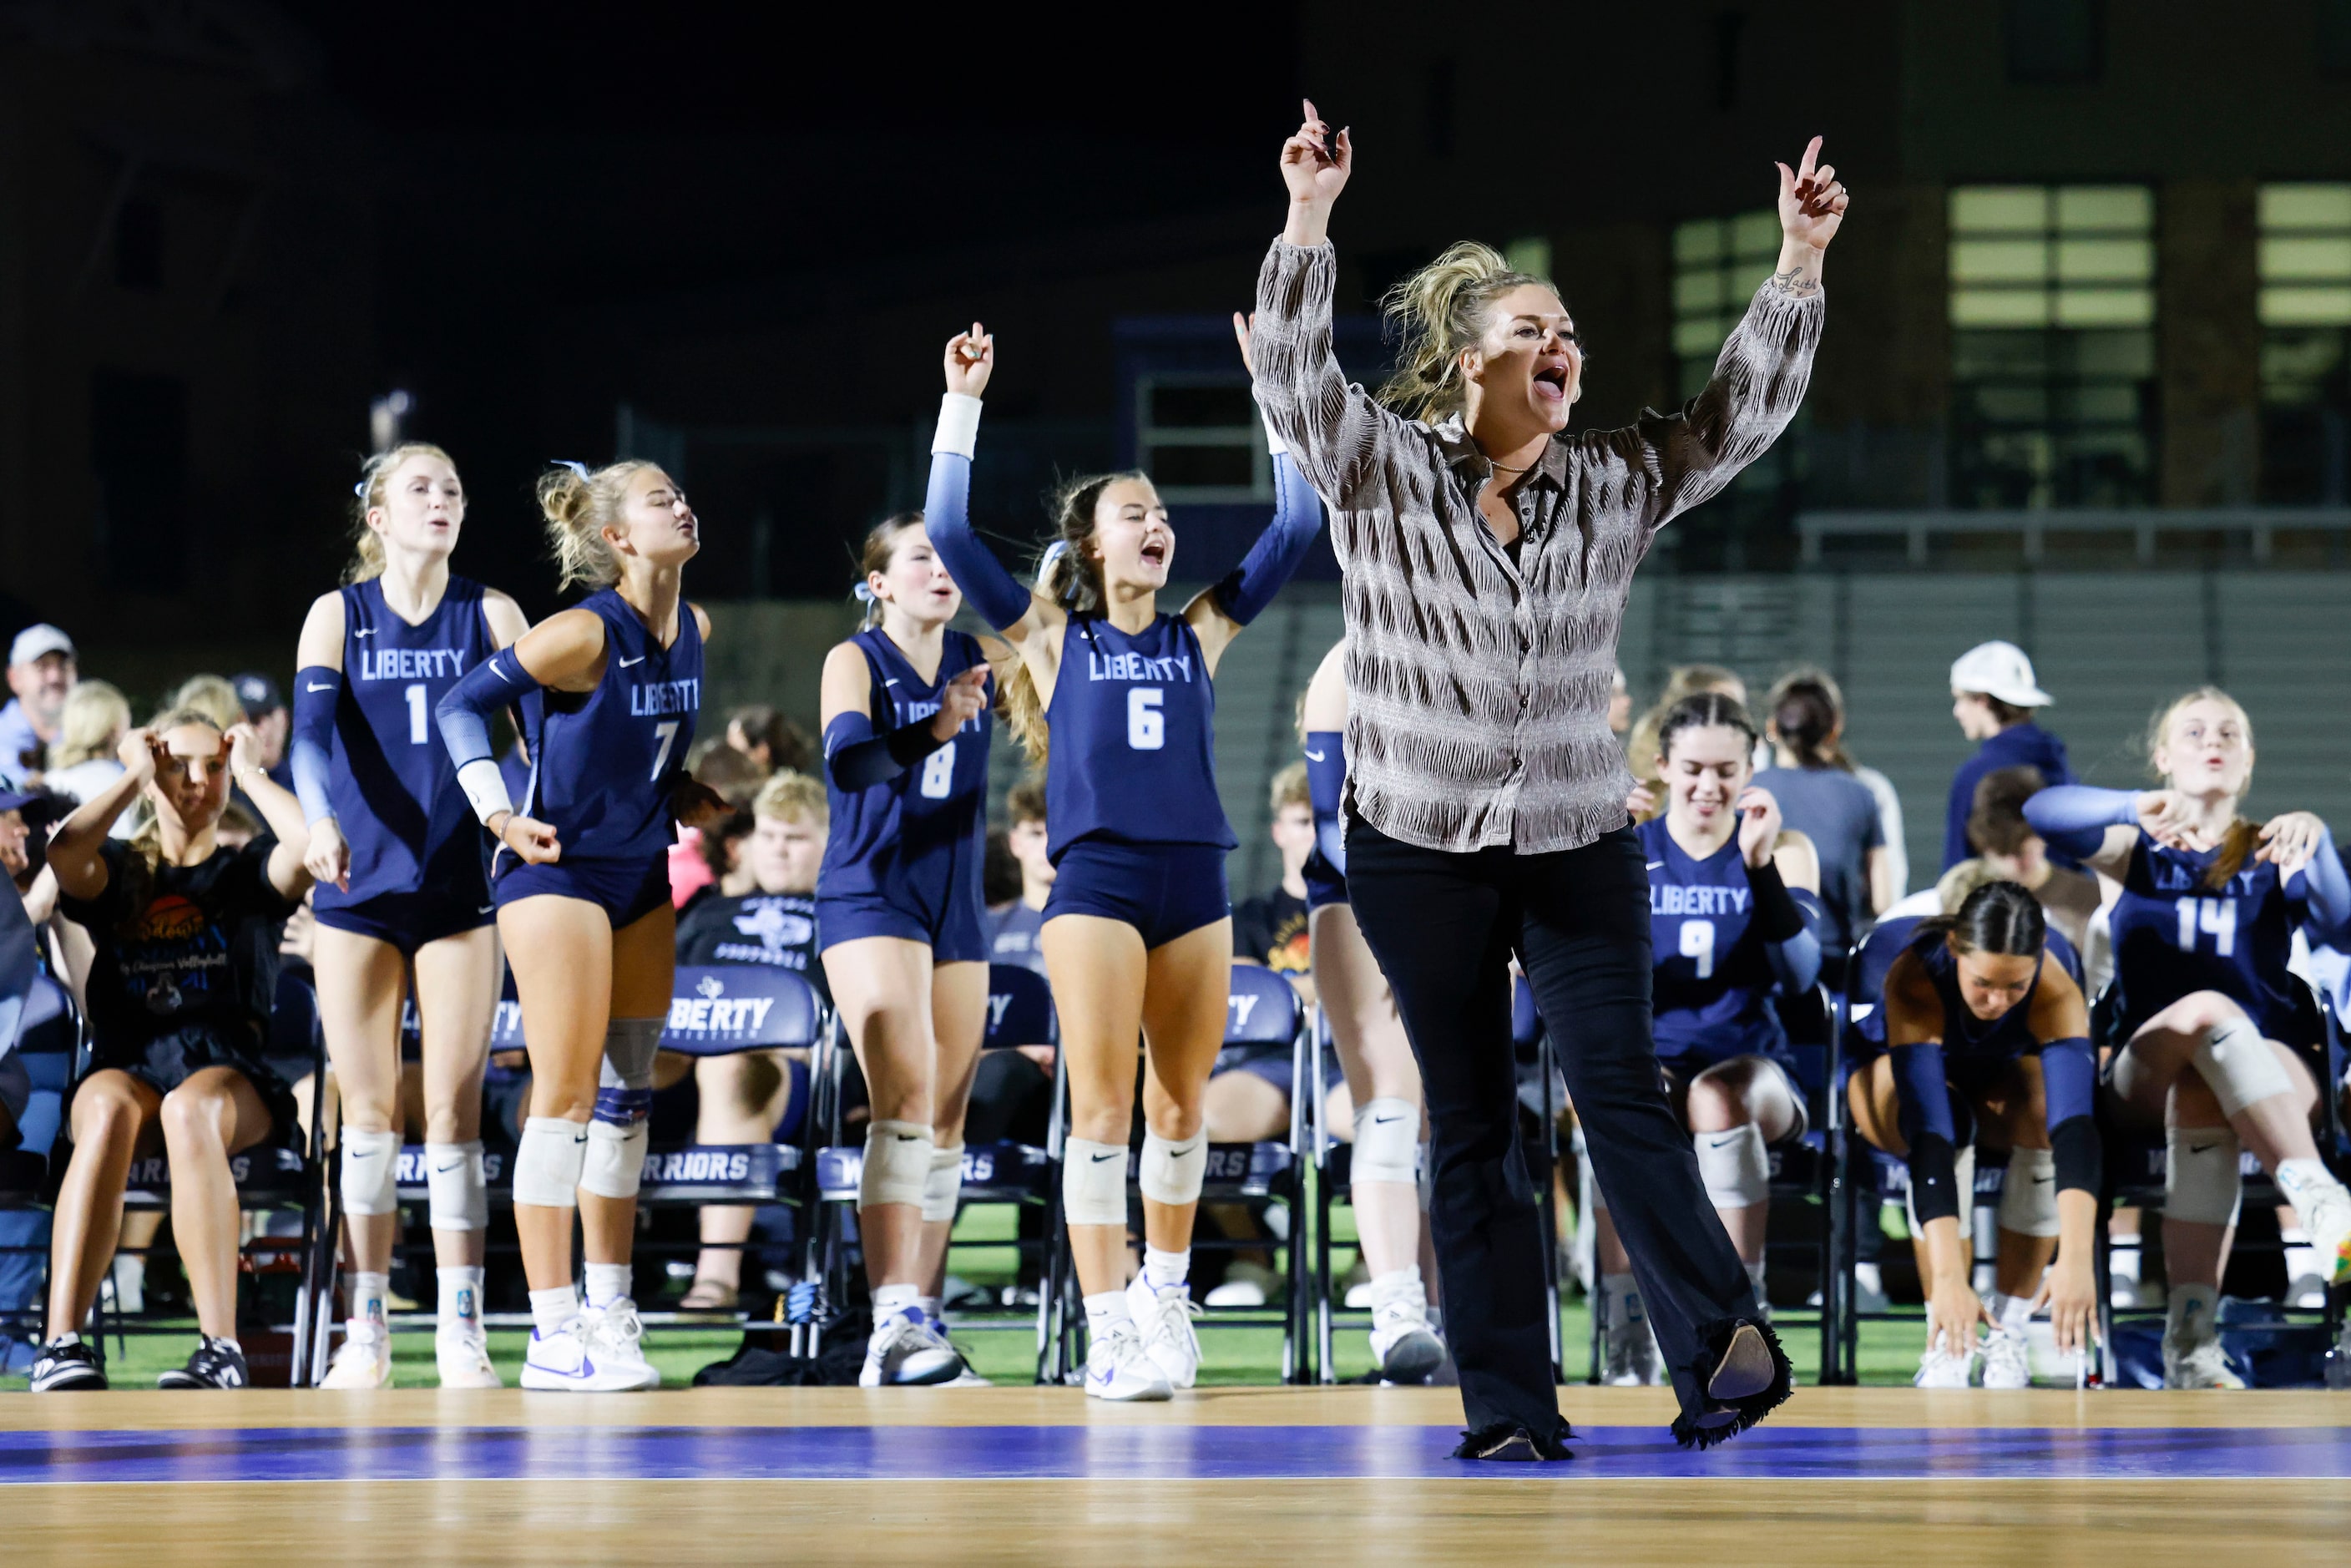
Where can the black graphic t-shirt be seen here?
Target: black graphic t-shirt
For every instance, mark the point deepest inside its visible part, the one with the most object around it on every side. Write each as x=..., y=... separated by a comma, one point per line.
x=1271, y=929
x=776, y=928
x=202, y=953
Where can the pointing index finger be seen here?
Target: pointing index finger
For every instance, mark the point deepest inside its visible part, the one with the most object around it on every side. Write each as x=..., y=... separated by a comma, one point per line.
x=1812, y=159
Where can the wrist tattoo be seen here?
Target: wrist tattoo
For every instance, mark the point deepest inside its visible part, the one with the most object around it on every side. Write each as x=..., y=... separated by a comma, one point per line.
x=1795, y=280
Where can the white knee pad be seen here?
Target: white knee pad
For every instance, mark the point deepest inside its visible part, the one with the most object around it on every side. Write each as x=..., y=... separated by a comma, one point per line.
x=897, y=1164
x=2240, y=1066
x=548, y=1163
x=944, y=1185
x=1172, y=1173
x=371, y=1178
x=1734, y=1166
x=460, y=1193
x=2201, y=1180
x=2028, y=1196
x=615, y=1161
x=1387, y=1142
x=1093, y=1182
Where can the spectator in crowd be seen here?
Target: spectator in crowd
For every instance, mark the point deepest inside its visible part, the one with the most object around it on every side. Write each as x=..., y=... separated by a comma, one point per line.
x=264, y=710
x=178, y=999
x=1995, y=699
x=1271, y=928
x=2008, y=849
x=42, y=669
x=1620, y=703
x=81, y=758
x=770, y=739
x=735, y=778
x=1881, y=787
x=1811, y=779
x=214, y=696
x=1013, y=928
x=756, y=1096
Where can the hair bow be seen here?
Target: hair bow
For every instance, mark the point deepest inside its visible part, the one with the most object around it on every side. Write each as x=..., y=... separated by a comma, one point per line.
x=578, y=468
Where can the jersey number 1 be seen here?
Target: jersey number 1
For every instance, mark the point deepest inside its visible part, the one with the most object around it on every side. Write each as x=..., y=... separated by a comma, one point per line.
x=417, y=718
x=1146, y=726
x=2215, y=918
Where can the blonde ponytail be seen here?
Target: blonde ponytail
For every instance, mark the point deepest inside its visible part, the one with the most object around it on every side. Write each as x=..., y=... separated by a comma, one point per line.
x=1069, y=576
x=1437, y=312
x=579, y=506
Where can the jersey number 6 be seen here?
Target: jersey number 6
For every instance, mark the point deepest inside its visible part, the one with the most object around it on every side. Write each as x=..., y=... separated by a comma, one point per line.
x=1146, y=726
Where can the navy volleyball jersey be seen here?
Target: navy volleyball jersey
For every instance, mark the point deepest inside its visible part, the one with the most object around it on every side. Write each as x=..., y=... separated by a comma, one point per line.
x=920, y=839
x=1713, y=980
x=603, y=762
x=1966, y=1038
x=1134, y=739
x=390, y=780
x=2173, y=934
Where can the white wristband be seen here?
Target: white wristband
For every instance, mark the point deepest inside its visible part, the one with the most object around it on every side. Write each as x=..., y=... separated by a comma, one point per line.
x=959, y=429
x=485, y=788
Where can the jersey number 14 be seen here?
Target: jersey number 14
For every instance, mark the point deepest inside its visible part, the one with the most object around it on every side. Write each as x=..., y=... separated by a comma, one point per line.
x=2215, y=917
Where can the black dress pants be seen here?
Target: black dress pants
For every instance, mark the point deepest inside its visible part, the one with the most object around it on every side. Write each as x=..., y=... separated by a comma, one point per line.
x=1444, y=926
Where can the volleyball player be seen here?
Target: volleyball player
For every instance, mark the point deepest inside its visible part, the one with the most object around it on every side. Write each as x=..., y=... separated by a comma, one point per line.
x=901, y=920
x=2202, y=934
x=1735, y=916
x=1383, y=1080
x=1138, y=929
x=1980, y=1021
x=401, y=890
x=610, y=690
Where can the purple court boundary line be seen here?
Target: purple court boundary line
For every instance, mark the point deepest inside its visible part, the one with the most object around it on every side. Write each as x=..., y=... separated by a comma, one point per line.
x=1154, y=1452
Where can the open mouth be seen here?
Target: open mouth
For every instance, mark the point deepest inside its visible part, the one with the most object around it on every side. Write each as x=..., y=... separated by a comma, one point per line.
x=1551, y=382
x=1155, y=553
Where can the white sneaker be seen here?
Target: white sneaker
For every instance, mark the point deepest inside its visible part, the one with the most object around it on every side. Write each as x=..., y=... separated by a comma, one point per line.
x=2329, y=1224
x=2007, y=1361
x=1629, y=1355
x=462, y=1361
x=907, y=1350
x=572, y=1361
x=364, y=1359
x=1403, y=1344
x=618, y=1336
x=2200, y=1366
x=1940, y=1368
x=1164, y=1319
x=1120, y=1367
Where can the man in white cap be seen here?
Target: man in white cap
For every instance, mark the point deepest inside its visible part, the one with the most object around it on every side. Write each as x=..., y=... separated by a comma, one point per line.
x=1994, y=697
x=41, y=671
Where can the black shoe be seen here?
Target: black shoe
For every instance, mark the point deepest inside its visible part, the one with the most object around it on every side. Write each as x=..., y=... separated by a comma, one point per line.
x=67, y=1368
x=216, y=1364
x=1745, y=1377
x=1506, y=1443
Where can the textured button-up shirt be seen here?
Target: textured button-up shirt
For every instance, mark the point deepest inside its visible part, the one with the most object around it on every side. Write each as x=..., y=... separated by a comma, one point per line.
x=1478, y=684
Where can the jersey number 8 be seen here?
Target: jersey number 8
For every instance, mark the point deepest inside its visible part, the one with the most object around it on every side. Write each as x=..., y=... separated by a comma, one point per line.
x=1146, y=726
x=938, y=773
x=1697, y=942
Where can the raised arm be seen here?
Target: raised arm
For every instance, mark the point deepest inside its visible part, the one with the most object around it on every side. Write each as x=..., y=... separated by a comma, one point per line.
x=287, y=873
x=2094, y=826
x=986, y=587
x=74, y=858
x=1334, y=431
x=2299, y=845
x=1217, y=613
x=1675, y=461
x=1778, y=867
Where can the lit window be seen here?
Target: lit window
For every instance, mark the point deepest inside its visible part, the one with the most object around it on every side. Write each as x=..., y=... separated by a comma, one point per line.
x=2053, y=347
x=2052, y=255
x=1719, y=263
x=2305, y=256
x=1200, y=438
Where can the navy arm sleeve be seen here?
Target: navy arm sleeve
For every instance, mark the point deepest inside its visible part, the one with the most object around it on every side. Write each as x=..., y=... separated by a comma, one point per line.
x=2069, y=1077
x=1326, y=781
x=1792, y=942
x=310, y=747
x=947, y=518
x=1249, y=588
x=1925, y=1101
x=2325, y=892
x=463, y=711
x=2074, y=818
x=858, y=758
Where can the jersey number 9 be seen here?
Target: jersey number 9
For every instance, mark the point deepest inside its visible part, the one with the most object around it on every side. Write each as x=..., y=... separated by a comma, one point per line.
x=1697, y=944
x=1146, y=726
x=938, y=773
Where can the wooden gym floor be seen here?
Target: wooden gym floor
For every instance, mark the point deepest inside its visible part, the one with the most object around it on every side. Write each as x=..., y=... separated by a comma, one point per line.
x=1043, y=1477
